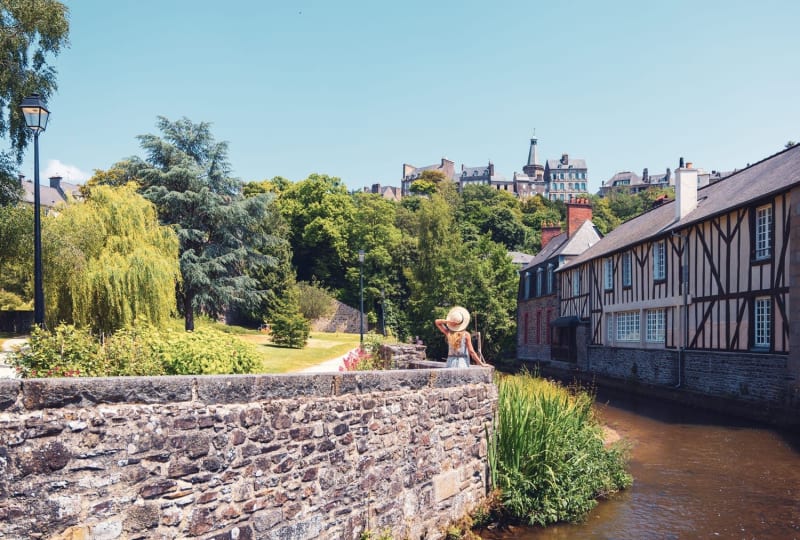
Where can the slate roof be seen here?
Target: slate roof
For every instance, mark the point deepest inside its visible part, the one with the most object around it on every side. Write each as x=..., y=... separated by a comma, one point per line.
x=519, y=258
x=633, y=178
x=469, y=172
x=586, y=236
x=769, y=176
x=573, y=163
x=49, y=196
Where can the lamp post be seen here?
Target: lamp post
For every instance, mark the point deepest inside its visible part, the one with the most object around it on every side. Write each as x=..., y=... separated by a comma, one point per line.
x=36, y=114
x=361, y=294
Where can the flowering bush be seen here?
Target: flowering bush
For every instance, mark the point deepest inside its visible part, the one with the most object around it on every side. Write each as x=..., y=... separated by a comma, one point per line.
x=359, y=360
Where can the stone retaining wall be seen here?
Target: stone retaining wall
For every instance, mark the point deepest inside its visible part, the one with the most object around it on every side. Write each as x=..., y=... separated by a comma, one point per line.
x=236, y=457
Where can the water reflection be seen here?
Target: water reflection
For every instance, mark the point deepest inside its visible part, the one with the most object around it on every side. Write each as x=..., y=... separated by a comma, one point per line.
x=696, y=475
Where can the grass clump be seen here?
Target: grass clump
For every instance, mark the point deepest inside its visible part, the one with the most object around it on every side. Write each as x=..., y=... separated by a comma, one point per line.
x=547, y=458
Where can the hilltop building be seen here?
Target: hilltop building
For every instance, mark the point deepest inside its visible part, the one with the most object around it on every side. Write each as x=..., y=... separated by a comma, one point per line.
x=566, y=178
x=50, y=194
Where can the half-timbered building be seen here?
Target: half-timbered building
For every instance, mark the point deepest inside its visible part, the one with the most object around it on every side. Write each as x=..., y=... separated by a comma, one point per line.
x=696, y=293
x=542, y=335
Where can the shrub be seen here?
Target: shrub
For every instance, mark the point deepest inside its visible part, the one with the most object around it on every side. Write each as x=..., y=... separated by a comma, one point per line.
x=65, y=352
x=137, y=350
x=11, y=301
x=546, y=453
x=205, y=352
x=314, y=300
x=290, y=330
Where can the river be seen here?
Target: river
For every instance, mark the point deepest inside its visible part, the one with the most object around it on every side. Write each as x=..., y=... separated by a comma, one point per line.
x=696, y=475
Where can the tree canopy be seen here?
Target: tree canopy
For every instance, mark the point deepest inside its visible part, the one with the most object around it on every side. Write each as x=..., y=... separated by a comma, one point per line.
x=31, y=33
x=187, y=175
x=108, y=262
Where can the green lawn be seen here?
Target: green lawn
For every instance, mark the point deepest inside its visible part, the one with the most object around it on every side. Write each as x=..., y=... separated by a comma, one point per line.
x=321, y=347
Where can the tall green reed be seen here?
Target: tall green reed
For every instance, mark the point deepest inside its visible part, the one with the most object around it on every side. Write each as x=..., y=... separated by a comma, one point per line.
x=546, y=452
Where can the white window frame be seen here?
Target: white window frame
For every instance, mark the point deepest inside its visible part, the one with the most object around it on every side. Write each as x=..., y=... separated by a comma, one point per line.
x=628, y=326
x=610, y=327
x=655, y=326
x=550, y=272
x=627, y=274
x=659, y=260
x=608, y=274
x=762, y=323
x=576, y=283
x=763, y=232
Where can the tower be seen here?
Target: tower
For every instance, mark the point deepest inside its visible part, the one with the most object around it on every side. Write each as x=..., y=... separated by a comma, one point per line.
x=533, y=169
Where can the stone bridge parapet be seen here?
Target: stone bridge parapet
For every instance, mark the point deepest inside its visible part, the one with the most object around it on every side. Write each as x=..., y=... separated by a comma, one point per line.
x=246, y=456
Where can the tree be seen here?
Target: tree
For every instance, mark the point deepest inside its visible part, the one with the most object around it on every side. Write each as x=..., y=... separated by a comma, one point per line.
x=108, y=262
x=790, y=144
x=428, y=183
x=10, y=187
x=16, y=250
x=319, y=212
x=187, y=175
x=277, y=185
x=30, y=33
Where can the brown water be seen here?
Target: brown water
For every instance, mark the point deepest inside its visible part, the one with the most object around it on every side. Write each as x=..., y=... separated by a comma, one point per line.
x=696, y=475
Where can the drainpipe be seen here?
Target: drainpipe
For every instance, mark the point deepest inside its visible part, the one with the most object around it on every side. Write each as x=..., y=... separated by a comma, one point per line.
x=685, y=288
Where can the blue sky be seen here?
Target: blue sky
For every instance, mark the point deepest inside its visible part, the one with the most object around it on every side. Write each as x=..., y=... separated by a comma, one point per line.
x=356, y=88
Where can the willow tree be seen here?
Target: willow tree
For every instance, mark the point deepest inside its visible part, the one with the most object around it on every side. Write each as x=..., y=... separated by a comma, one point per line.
x=108, y=262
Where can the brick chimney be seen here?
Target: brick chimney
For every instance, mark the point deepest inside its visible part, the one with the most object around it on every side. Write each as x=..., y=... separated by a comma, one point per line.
x=578, y=211
x=549, y=231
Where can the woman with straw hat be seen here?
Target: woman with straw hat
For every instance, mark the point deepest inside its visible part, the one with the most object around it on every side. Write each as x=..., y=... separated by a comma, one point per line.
x=459, y=340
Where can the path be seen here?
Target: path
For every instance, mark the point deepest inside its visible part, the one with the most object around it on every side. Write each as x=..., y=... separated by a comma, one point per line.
x=327, y=366
x=9, y=345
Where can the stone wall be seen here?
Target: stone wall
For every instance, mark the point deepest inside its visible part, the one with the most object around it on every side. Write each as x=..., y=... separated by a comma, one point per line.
x=236, y=457
x=343, y=319
x=747, y=377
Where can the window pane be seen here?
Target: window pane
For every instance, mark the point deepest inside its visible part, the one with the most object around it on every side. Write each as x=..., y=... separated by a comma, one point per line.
x=626, y=270
x=763, y=322
x=658, y=261
x=763, y=232
x=655, y=325
x=628, y=326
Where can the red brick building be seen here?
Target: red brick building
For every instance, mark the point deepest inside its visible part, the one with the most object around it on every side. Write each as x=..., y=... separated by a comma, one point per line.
x=542, y=334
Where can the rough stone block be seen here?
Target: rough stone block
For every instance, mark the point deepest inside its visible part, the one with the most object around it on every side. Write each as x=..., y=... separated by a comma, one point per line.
x=9, y=390
x=55, y=393
x=445, y=485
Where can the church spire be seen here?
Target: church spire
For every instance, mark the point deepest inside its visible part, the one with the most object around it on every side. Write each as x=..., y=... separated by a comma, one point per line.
x=532, y=168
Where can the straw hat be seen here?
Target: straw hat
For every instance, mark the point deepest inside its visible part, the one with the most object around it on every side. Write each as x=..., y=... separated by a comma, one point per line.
x=457, y=319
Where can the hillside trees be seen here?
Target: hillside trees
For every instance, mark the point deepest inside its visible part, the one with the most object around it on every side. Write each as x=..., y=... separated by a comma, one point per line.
x=108, y=262
x=186, y=174
x=319, y=212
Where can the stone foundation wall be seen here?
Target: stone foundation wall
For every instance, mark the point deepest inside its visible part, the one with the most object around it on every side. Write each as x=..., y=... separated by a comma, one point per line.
x=236, y=457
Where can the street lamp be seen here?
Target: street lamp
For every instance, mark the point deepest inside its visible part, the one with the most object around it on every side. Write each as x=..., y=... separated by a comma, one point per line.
x=34, y=109
x=361, y=287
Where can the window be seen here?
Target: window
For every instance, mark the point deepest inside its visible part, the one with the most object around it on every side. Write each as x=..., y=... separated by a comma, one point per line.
x=539, y=281
x=655, y=326
x=608, y=273
x=626, y=269
x=659, y=263
x=525, y=329
x=610, y=327
x=628, y=326
x=527, y=282
x=547, y=329
x=550, y=278
x=763, y=234
x=763, y=322
x=539, y=327
x=576, y=283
